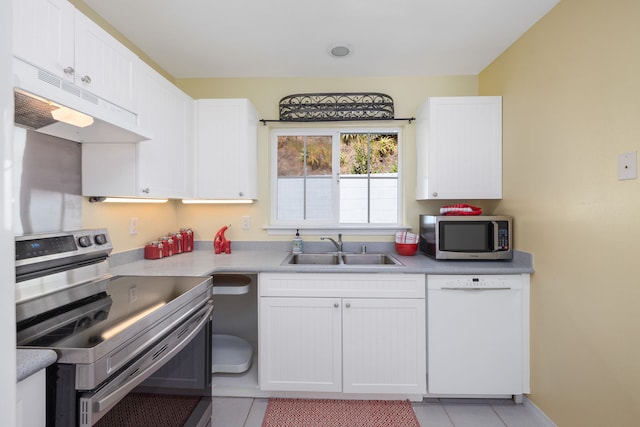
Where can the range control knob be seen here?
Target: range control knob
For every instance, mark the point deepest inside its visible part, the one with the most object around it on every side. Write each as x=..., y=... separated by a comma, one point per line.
x=100, y=315
x=100, y=239
x=84, y=323
x=84, y=241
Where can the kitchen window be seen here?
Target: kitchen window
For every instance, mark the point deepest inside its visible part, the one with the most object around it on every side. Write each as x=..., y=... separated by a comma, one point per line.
x=336, y=178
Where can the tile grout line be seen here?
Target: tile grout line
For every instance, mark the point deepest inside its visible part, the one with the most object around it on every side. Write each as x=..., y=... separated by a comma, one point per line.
x=444, y=408
x=246, y=418
x=499, y=417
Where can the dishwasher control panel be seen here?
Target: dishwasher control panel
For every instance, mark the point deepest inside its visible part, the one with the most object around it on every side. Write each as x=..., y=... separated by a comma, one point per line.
x=468, y=282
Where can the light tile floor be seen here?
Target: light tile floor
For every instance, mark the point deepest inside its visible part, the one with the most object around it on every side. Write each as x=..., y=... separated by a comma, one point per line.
x=248, y=412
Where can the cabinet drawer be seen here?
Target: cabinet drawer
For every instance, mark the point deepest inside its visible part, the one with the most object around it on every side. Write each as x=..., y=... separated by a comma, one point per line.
x=369, y=285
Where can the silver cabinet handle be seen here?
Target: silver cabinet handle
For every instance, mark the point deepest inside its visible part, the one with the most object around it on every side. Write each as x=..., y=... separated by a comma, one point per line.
x=241, y=194
x=146, y=190
x=69, y=71
x=336, y=305
x=86, y=79
x=435, y=194
x=348, y=305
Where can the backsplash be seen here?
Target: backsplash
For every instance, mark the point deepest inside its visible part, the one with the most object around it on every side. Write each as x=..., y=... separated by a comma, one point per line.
x=47, y=183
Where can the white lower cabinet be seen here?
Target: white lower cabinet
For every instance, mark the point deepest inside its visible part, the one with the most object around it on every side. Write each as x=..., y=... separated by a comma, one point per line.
x=300, y=344
x=350, y=333
x=31, y=401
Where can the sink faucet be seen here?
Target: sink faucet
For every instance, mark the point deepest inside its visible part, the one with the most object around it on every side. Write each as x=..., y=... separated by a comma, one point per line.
x=338, y=244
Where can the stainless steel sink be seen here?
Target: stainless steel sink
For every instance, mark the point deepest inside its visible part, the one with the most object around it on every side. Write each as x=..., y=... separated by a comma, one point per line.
x=338, y=258
x=322, y=259
x=369, y=259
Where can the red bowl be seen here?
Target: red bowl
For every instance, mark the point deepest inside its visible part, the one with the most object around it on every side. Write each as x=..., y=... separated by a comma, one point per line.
x=406, y=249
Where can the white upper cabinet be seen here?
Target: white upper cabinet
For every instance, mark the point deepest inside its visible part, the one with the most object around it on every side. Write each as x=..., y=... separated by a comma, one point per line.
x=166, y=161
x=159, y=167
x=53, y=36
x=226, y=152
x=459, y=148
x=43, y=34
x=103, y=65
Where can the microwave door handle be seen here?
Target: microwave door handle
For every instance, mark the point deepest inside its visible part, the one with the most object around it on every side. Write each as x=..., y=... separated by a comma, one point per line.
x=495, y=236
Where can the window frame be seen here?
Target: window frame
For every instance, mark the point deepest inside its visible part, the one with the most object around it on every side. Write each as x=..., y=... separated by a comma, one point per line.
x=285, y=226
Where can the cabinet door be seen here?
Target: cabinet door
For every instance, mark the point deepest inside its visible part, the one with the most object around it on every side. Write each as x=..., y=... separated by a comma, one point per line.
x=226, y=149
x=109, y=170
x=162, y=161
x=103, y=65
x=43, y=34
x=475, y=339
x=459, y=148
x=384, y=346
x=300, y=344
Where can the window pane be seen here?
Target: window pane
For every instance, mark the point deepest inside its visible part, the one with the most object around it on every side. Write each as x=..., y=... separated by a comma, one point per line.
x=319, y=155
x=354, y=204
x=290, y=156
x=384, y=199
x=290, y=199
x=319, y=199
x=384, y=153
x=354, y=153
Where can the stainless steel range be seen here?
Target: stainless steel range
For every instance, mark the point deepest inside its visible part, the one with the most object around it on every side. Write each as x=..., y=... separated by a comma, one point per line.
x=122, y=342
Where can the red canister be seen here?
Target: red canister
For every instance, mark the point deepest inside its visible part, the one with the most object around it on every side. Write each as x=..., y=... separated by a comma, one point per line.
x=177, y=242
x=167, y=246
x=187, y=239
x=153, y=250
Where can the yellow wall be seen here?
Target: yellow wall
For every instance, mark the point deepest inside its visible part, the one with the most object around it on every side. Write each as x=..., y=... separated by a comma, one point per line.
x=571, y=94
x=154, y=221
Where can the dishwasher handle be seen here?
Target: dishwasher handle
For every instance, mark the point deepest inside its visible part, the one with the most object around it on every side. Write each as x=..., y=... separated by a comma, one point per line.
x=475, y=288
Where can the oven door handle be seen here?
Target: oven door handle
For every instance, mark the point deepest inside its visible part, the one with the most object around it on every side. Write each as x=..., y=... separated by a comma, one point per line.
x=95, y=405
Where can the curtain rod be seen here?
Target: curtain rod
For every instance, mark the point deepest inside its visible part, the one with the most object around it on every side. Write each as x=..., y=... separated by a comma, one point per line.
x=409, y=119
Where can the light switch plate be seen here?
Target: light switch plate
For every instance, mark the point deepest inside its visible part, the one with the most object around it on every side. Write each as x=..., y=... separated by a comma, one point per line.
x=628, y=166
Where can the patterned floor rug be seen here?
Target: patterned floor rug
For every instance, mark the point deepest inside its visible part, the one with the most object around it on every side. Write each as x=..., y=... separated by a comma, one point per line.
x=339, y=413
x=150, y=410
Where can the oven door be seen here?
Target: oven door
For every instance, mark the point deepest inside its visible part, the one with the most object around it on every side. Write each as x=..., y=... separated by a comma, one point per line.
x=93, y=405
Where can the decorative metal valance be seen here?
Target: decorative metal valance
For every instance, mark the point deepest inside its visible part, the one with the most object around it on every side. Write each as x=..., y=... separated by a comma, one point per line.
x=327, y=107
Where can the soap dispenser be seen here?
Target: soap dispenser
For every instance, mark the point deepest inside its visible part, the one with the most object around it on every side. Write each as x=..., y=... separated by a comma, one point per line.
x=297, y=244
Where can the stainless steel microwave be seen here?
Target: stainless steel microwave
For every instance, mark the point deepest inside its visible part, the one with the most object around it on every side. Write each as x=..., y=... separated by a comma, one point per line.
x=467, y=237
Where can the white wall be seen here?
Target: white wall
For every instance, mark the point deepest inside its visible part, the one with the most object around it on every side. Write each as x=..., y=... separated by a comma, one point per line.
x=7, y=275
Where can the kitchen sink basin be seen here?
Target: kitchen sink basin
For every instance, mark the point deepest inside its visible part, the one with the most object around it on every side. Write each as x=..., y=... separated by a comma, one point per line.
x=322, y=259
x=369, y=259
x=338, y=258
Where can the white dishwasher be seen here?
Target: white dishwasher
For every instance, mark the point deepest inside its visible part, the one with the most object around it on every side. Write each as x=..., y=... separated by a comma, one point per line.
x=478, y=334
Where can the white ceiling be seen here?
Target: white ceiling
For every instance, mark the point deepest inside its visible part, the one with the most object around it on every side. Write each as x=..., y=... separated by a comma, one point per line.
x=291, y=38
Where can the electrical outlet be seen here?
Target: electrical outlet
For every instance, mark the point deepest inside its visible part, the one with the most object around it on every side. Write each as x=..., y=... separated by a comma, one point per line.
x=628, y=166
x=246, y=222
x=133, y=226
x=133, y=295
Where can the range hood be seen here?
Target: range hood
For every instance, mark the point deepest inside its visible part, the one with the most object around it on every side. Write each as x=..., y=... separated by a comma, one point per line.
x=41, y=97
